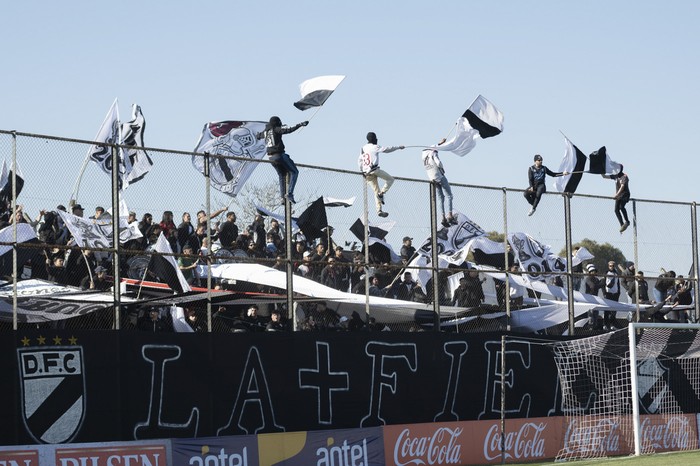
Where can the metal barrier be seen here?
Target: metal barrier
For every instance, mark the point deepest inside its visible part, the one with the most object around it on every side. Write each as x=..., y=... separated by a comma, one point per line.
x=663, y=235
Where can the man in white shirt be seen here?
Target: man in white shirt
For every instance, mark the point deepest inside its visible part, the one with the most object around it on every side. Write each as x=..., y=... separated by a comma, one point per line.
x=369, y=166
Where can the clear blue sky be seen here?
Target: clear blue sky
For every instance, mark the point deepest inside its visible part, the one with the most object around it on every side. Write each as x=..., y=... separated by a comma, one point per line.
x=623, y=74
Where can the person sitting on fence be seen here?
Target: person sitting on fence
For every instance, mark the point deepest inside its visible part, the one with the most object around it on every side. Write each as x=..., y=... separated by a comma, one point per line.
x=536, y=175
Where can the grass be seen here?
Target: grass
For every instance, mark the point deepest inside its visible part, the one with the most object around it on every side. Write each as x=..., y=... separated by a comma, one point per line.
x=659, y=459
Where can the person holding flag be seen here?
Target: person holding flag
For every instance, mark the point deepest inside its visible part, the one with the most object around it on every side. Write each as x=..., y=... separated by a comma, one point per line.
x=436, y=175
x=622, y=197
x=536, y=175
x=281, y=161
x=369, y=166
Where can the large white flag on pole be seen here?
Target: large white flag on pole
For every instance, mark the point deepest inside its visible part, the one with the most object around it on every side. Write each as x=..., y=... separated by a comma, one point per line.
x=232, y=139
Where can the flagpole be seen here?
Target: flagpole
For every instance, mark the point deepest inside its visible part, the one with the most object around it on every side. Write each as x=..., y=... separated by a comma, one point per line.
x=76, y=186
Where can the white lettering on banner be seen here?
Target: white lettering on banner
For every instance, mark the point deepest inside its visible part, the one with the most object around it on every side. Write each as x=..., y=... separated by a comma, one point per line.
x=222, y=459
x=114, y=460
x=16, y=463
x=674, y=435
x=344, y=455
x=527, y=443
x=441, y=448
x=602, y=436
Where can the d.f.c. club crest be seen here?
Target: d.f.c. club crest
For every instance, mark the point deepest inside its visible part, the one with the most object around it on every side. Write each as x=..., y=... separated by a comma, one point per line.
x=52, y=382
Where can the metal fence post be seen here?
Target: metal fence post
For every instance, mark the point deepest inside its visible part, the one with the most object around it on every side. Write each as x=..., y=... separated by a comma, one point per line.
x=115, y=237
x=365, y=241
x=434, y=257
x=636, y=259
x=569, y=259
x=14, y=231
x=209, y=258
x=694, y=230
x=506, y=290
x=288, y=242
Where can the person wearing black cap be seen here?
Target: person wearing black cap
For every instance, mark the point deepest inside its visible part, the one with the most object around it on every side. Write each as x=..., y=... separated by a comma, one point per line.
x=407, y=250
x=622, y=197
x=369, y=166
x=536, y=176
x=77, y=210
x=281, y=161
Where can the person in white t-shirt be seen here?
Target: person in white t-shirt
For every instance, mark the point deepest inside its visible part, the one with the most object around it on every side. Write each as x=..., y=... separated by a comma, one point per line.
x=436, y=175
x=369, y=166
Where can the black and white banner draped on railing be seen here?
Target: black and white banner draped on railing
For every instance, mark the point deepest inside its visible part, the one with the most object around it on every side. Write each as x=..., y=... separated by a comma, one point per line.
x=41, y=301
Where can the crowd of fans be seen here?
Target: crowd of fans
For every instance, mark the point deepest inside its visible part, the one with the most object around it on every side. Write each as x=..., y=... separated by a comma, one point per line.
x=322, y=260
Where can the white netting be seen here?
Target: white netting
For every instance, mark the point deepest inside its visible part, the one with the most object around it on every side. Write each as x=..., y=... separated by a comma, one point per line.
x=596, y=386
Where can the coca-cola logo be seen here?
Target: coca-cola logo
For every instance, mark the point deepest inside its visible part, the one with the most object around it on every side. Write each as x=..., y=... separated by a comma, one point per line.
x=673, y=435
x=592, y=436
x=525, y=443
x=440, y=448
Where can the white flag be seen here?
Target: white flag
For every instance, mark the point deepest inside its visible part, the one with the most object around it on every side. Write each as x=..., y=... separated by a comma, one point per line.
x=108, y=134
x=235, y=139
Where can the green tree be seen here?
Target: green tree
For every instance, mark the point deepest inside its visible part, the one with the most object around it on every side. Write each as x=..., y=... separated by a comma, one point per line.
x=603, y=253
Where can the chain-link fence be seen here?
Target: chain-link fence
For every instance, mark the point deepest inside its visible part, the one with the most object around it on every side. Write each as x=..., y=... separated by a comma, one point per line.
x=52, y=174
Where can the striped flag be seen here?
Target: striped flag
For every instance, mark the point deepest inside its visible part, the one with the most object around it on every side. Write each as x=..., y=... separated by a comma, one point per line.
x=484, y=117
x=166, y=268
x=601, y=164
x=315, y=91
x=574, y=161
x=480, y=121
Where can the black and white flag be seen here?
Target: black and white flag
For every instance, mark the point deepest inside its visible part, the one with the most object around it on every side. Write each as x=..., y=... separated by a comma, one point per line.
x=484, y=117
x=452, y=241
x=313, y=220
x=379, y=248
x=601, y=164
x=333, y=202
x=315, y=91
x=25, y=236
x=6, y=182
x=97, y=233
x=234, y=139
x=165, y=267
x=480, y=121
x=574, y=162
x=136, y=161
x=535, y=259
x=109, y=133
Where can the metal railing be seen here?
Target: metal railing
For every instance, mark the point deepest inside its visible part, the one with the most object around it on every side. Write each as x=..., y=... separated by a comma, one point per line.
x=663, y=234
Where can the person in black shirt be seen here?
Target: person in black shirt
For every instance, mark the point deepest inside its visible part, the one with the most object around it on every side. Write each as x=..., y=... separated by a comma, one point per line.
x=536, y=175
x=622, y=197
x=281, y=161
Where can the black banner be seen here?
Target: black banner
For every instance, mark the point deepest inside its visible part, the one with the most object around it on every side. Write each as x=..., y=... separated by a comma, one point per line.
x=62, y=386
